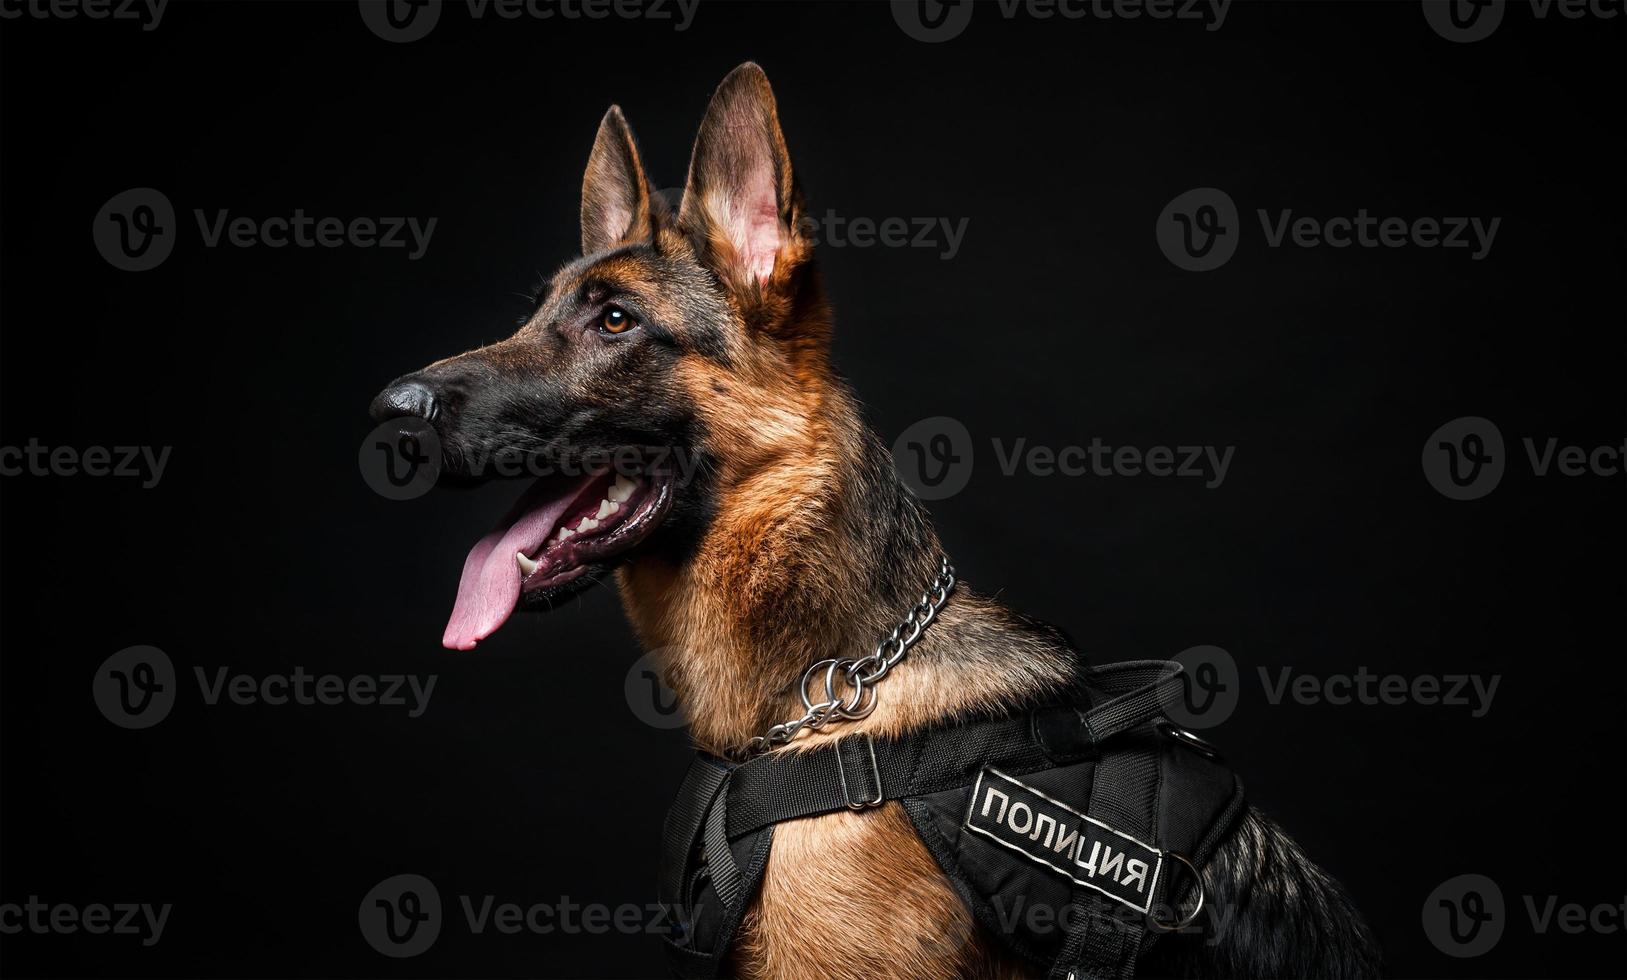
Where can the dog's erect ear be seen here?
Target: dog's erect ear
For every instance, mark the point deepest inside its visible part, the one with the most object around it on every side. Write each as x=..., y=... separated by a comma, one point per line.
x=615, y=192
x=741, y=201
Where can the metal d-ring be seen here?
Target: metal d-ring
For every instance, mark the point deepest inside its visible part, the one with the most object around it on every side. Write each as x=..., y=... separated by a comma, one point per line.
x=1179, y=734
x=1191, y=917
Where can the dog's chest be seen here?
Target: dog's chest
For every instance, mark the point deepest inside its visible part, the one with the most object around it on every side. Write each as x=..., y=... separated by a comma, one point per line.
x=857, y=894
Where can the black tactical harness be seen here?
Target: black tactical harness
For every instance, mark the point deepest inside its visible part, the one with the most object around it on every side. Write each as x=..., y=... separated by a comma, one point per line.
x=1097, y=814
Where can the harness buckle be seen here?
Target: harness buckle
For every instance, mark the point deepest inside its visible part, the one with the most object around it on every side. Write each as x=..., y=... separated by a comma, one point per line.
x=869, y=750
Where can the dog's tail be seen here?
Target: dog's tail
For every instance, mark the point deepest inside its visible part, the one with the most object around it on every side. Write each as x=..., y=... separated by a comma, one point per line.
x=1269, y=911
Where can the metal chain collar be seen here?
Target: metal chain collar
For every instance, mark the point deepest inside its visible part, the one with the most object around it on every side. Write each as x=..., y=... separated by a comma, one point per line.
x=862, y=674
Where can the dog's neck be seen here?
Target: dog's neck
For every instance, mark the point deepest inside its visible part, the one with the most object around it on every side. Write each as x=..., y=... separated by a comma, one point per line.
x=817, y=550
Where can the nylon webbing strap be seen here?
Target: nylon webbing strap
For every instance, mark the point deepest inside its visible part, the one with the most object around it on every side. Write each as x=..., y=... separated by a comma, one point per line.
x=726, y=877
x=836, y=775
x=1100, y=947
x=700, y=786
x=1103, y=945
x=796, y=783
x=1143, y=689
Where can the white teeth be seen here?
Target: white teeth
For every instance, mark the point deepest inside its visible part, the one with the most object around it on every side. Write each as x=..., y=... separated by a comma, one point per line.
x=588, y=524
x=564, y=533
x=527, y=566
x=606, y=508
x=621, y=489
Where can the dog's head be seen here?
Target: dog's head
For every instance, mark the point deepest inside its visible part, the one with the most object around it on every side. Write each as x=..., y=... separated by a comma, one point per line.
x=672, y=357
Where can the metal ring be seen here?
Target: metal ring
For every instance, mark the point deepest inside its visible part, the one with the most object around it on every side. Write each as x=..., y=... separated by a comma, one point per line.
x=857, y=680
x=856, y=712
x=1171, y=730
x=807, y=702
x=1197, y=879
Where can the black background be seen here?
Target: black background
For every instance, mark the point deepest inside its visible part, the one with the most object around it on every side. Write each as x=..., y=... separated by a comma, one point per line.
x=1061, y=141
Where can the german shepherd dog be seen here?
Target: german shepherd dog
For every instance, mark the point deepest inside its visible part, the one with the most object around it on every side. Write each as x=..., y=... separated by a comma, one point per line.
x=789, y=539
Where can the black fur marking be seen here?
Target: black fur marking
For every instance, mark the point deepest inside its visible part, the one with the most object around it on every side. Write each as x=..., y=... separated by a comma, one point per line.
x=1269, y=912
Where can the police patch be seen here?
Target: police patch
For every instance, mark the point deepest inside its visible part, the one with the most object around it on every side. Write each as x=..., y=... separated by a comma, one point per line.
x=1049, y=832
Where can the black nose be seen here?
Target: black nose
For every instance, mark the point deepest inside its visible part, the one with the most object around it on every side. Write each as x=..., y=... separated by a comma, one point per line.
x=405, y=399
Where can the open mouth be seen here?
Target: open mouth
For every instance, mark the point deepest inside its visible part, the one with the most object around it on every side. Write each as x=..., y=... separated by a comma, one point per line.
x=556, y=531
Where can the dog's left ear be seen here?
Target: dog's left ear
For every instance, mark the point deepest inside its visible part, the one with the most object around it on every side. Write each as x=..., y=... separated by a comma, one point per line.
x=615, y=193
x=741, y=202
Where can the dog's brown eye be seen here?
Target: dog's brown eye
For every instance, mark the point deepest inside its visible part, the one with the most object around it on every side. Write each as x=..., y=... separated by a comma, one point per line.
x=615, y=320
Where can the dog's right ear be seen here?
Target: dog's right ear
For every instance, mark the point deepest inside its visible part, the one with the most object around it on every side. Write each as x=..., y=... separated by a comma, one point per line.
x=615, y=193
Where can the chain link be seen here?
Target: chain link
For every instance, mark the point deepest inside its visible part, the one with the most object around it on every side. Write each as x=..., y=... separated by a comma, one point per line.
x=859, y=675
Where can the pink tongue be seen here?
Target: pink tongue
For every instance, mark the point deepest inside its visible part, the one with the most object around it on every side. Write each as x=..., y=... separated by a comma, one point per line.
x=491, y=578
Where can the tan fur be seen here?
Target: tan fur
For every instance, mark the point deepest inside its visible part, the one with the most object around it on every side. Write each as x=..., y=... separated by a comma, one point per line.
x=835, y=882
